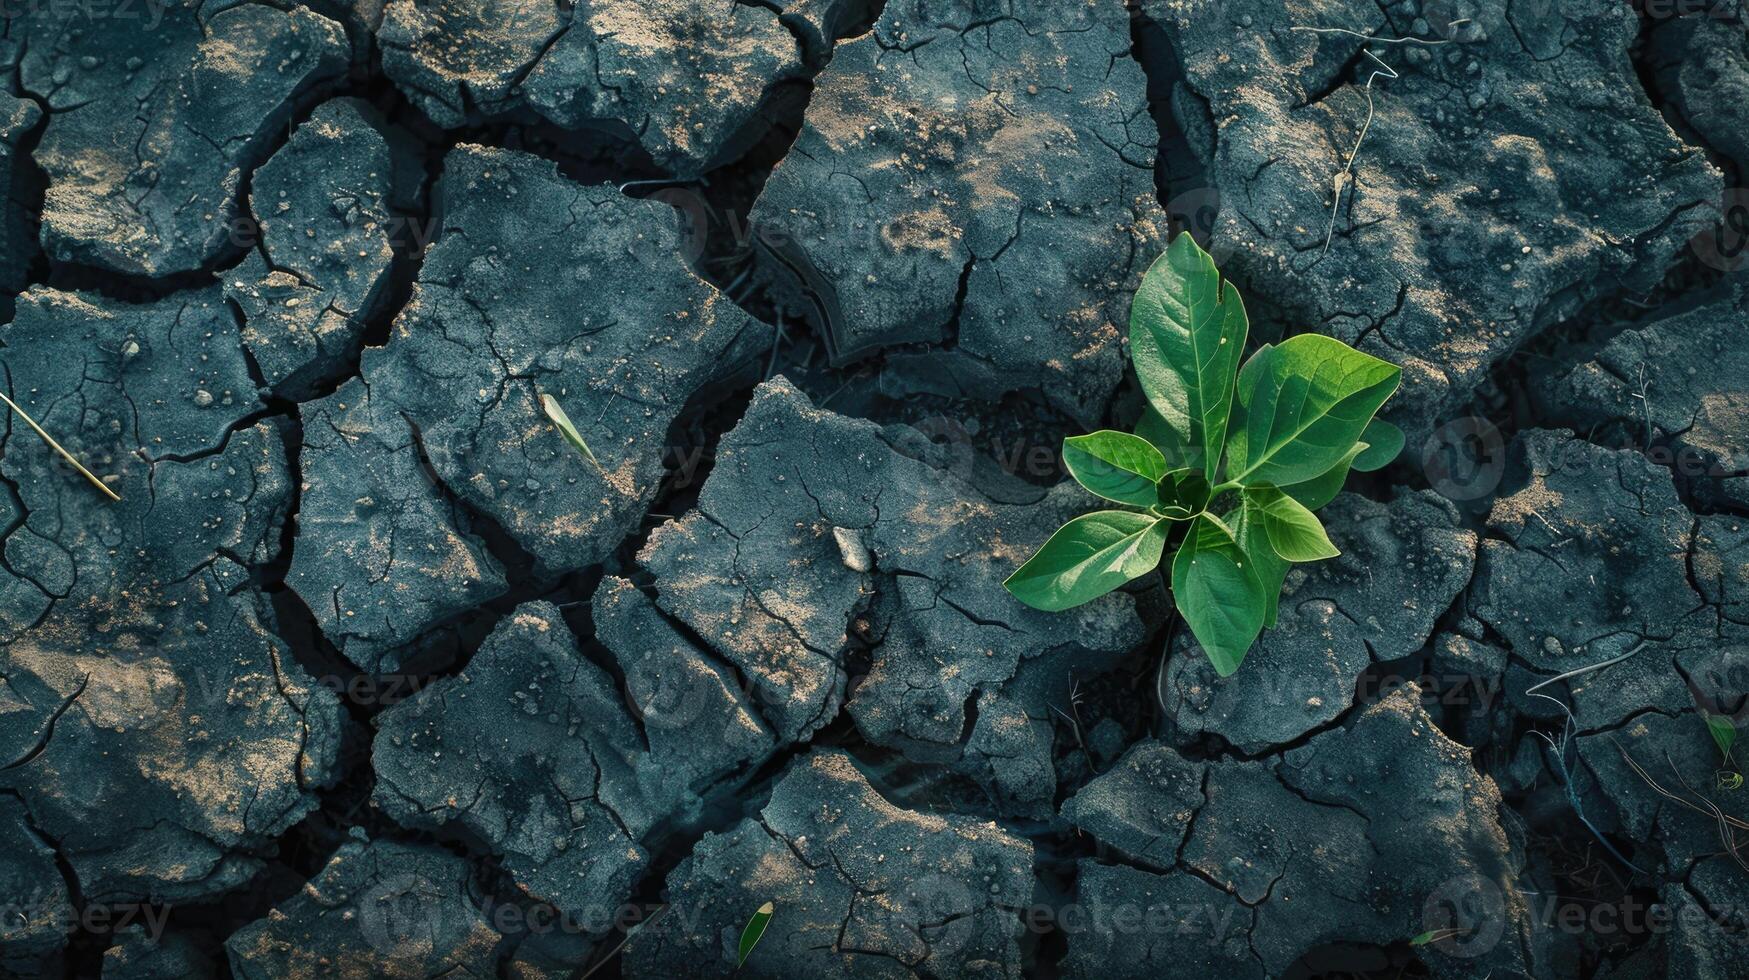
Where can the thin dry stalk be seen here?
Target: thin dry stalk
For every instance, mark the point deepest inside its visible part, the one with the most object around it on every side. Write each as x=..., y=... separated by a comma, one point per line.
x=99, y=484
x=1345, y=177
x=1727, y=823
x=1575, y=672
x=1726, y=837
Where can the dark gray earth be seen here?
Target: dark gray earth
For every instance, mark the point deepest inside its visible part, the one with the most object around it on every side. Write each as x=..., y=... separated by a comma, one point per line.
x=371, y=673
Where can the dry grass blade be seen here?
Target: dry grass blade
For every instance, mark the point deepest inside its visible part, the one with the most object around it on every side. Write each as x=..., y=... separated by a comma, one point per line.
x=1726, y=822
x=1575, y=672
x=1641, y=772
x=622, y=943
x=550, y=405
x=99, y=484
x=1561, y=767
x=1726, y=837
x=1375, y=39
x=1345, y=176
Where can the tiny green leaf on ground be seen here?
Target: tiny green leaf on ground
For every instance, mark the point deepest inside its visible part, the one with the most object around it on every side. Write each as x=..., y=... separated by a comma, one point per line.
x=554, y=411
x=755, y=929
x=1724, y=732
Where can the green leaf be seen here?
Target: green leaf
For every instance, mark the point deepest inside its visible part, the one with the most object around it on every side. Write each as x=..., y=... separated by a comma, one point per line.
x=1088, y=557
x=1293, y=531
x=1724, y=732
x=1218, y=594
x=1183, y=494
x=1384, y=442
x=1270, y=567
x=1115, y=465
x=1179, y=455
x=1187, y=331
x=1306, y=404
x=755, y=929
x=1323, y=488
x=550, y=405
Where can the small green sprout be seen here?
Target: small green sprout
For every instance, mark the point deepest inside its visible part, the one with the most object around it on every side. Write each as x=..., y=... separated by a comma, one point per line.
x=1240, y=456
x=755, y=929
x=1724, y=733
x=551, y=406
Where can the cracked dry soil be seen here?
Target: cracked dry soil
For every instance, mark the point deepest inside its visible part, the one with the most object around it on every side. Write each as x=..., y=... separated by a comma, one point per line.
x=368, y=673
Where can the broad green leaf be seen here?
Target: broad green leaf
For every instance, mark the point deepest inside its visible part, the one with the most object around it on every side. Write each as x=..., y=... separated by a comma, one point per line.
x=1218, y=594
x=1724, y=732
x=1088, y=557
x=1183, y=494
x=1165, y=438
x=1115, y=465
x=1324, y=487
x=551, y=406
x=1304, y=407
x=1293, y=531
x=753, y=932
x=1187, y=331
x=1383, y=442
x=1271, y=568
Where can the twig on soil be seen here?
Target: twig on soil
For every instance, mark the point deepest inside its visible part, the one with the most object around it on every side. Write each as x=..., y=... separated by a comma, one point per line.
x=1727, y=823
x=1075, y=722
x=1726, y=836
x=1430, y=42
x=1562, y=768
x=1575, y=672
x=1345, y=176
x=99, y=484
x=622, y=943
x=1640, y=771
x=1645, y=405
x=777, y=336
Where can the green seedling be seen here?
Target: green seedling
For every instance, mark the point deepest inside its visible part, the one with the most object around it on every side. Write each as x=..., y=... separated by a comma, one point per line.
x=1724, y=733
x=554, y=411
x=755, y=929
x=1228, y=461
x=1435, y=936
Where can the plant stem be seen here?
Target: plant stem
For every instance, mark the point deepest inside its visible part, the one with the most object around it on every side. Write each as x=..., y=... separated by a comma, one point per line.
x=99, y=484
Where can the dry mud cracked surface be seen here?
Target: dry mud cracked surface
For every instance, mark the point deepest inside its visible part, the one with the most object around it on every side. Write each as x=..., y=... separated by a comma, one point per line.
x=370, y=673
